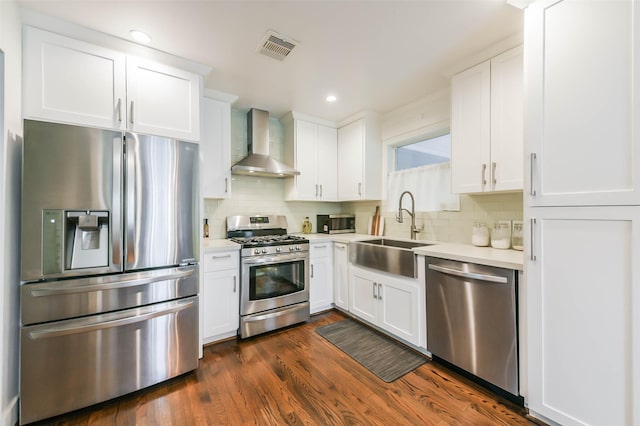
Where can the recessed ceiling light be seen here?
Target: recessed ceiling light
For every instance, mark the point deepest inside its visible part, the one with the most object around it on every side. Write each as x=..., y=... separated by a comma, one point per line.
x=140, y=36
x=331, y=98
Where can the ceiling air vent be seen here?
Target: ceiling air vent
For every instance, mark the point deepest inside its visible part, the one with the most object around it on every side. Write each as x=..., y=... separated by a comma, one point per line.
x=276, y=45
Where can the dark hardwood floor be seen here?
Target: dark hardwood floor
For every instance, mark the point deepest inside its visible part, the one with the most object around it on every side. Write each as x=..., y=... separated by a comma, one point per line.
x=293, y=377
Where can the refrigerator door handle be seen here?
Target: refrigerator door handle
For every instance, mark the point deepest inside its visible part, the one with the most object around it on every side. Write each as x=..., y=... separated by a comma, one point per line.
x=124, y=318
x=116, y=215
x=130, y=200
x=114, y=282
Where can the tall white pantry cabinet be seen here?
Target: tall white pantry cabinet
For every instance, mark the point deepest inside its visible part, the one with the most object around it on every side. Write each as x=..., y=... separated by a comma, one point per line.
x=582, y=210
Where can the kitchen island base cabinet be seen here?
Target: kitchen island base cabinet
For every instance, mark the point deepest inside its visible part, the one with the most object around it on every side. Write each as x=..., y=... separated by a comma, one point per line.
x=220, y=296
x=391, y=303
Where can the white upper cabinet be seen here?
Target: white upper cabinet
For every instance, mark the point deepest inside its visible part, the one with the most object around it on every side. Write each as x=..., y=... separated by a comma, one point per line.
x=162, y=100
x=215, y=149
x=487, y=125
x=70, y=81
x=582, y=101
x=360, y=160
x=311, y=146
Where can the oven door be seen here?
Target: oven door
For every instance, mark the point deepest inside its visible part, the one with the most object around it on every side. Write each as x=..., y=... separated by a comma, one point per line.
x=270, y=282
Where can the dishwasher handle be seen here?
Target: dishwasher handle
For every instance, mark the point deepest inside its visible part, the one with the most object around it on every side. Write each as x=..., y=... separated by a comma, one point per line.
x=472, y=275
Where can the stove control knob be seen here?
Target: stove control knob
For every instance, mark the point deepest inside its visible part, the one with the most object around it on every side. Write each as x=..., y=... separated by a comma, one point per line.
x=297, y=248
x=256, y=251
x=278, y=249
x=291, y=248
x=265, y=251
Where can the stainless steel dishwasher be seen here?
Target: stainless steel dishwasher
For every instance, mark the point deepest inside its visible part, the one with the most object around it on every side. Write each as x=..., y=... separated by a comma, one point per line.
x=472, y=319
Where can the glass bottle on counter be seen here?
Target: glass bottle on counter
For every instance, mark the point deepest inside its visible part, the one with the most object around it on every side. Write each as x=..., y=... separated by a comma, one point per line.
x=306, y=226
x=206, y=228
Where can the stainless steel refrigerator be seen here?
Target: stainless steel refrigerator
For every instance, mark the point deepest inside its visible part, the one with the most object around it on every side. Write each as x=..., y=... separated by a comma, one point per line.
x=110, y=243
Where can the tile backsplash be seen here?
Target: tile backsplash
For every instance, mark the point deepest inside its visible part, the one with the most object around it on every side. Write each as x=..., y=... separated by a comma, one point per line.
x=445, y=226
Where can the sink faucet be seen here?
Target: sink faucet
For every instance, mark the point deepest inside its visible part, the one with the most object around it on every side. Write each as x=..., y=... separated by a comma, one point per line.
x=412, y=213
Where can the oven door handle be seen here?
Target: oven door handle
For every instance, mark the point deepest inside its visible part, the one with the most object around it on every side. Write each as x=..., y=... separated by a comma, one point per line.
x=274, y=259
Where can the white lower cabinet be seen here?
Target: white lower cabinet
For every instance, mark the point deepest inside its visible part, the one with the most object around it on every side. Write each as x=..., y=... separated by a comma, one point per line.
x=220, y=301
x=389, y=302
x=583, y=305
x=320, y=275
x=341, y=275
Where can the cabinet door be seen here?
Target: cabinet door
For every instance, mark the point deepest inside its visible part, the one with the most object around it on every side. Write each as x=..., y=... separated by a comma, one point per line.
x=220, y=305
x=470, y=130
x=582, y=303
x=400, y=304
x=69, y=81
x=215, y=149
x=328, y=163
x=506, y=121
x=582, y=103
x=350, y=161
x=341, y=276
x=320, y=288
x=364, y=296
x=306, y=161
x=162, y=100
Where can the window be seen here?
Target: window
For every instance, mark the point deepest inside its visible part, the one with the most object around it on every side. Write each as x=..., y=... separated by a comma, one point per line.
x=423, y=167
x=429, y=151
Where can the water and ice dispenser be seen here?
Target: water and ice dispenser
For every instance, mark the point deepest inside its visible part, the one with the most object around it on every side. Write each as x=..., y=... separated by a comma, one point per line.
x=74, y=239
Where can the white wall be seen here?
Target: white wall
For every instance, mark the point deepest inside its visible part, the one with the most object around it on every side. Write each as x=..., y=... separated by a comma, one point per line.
x=10, y=163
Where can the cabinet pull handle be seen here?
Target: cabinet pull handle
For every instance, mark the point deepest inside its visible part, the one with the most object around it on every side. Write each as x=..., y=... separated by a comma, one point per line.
x=483, y=177
x=226, y=256
x=320, y=190
x=226, y=185
x=379, y=291
x=375, y=286
x=532, y=254
x=120, y=110
x=532, y=159
x=493, y=172
x=359, y=188
x=316, y=189
x=234, y=283
x=318, y=247
x=311, y=270
x=131, y=113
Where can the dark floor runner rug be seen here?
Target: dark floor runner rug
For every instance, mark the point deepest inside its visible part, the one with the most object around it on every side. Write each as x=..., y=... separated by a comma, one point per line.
x=382, y=356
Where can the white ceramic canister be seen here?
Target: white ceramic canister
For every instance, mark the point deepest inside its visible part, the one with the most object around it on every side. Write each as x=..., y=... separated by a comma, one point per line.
x=517, y=235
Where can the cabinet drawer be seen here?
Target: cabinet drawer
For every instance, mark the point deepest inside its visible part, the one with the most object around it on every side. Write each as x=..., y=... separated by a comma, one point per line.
x=320, y=250
x=220, y=260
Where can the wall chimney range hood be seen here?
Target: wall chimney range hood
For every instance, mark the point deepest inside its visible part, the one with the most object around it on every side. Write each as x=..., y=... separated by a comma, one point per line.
x=258, y=162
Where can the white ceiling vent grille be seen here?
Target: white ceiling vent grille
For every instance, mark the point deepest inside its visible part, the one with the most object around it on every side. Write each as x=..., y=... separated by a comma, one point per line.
x=276, y=45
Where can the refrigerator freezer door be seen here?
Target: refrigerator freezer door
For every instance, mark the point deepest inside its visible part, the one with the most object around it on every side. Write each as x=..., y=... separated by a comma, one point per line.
x=69, y=169
x=75, y=363
x=161, y=203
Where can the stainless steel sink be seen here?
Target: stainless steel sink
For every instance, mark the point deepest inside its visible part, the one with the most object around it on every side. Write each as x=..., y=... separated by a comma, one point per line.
x=392, y=256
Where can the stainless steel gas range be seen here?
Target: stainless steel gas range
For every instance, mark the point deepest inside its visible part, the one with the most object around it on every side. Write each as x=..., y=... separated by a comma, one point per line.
x=274, y=273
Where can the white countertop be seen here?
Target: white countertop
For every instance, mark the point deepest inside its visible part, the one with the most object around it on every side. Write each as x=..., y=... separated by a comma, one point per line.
x=213, y=245
x=510, y=259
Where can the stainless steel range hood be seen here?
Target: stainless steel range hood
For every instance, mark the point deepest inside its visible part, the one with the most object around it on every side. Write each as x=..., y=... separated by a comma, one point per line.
x=258, y=162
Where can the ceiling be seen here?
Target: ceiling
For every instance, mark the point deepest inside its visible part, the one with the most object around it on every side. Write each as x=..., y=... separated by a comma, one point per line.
x=372, y=54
